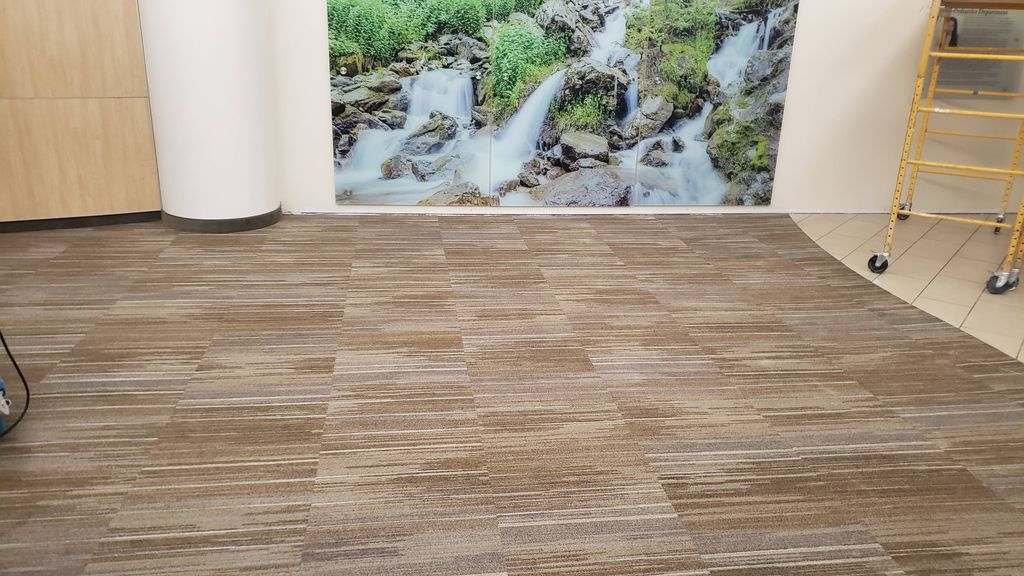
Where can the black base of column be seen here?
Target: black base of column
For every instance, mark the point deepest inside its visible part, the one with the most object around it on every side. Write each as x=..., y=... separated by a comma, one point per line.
x=222, y=226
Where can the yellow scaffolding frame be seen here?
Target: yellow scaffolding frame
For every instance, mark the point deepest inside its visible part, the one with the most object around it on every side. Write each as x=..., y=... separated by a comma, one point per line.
x=1008, y=277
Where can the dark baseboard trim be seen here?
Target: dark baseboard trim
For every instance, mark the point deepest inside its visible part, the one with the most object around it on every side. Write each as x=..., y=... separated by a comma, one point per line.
x=78, y=222
x=222, y=226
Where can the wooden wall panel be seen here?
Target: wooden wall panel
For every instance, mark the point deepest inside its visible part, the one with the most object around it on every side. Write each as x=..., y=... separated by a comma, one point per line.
x=70, y=48
x=76, y=157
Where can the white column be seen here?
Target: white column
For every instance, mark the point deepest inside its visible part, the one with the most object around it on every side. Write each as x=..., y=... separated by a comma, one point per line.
x=209, y=64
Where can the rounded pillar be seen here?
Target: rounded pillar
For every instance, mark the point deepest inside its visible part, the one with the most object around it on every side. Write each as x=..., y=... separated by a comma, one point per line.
x=211, y=94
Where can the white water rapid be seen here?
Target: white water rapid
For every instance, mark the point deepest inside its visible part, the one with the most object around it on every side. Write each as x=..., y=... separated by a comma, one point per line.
x=689, y=178
x=443, y=90
x=729, y=63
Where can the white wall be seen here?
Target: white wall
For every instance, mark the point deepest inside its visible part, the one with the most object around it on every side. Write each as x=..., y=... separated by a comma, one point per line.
x=213, y=105
x=854, y=68
x=302, y=88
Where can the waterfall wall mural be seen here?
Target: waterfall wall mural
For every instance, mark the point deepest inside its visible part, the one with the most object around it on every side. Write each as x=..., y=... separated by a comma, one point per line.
x=558, y=102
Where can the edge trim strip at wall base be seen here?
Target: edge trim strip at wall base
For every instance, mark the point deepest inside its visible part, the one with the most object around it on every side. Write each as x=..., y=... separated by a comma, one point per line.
x=226, y=226
x=78, y=222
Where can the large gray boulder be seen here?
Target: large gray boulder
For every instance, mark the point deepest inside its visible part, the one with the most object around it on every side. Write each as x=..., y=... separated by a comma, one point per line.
x=557, y=17
x=395, y=167
x=393, y=118
x=652, y=116
x=769, y=64
x=588, y=76
x=442, y=168
x=346, y=121
x=461, y=194
x=431, y=137
x=604, y=186
x=382, y=82
x=579, y=145
x=656, y=156
x=359, y=97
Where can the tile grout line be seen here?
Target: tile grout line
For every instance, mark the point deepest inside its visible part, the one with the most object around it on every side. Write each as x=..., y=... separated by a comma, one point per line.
x=980, y=294
x=836, y=227
x=944, y=266
x=904, y=253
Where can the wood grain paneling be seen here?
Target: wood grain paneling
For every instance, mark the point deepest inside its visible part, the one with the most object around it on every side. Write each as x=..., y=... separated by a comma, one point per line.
x=70, y=48
x=75, y=157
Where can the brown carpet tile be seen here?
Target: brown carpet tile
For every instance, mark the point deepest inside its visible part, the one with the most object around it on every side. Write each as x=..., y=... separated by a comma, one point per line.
x=485, y=396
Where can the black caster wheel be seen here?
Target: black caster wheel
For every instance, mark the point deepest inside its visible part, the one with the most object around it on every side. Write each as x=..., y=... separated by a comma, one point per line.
x=994, y=286
x=878, y=267
x=903, y=216
x=999, y=220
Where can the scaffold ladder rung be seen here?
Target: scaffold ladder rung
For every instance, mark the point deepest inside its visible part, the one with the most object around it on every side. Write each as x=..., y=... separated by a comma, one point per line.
x=966, y=167
x=971, y=135
x=976, y=113
x=979, y=56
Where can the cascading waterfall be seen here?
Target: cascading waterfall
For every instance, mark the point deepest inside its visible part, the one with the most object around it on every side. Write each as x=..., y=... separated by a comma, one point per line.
x=774, y=17
x=518, y=139
x=610, y=41
x=632, y=102
x=729, y=63
x=610, y=48
x=516, y=142
x=445, y=91
x=632, y=64
x=689, y=178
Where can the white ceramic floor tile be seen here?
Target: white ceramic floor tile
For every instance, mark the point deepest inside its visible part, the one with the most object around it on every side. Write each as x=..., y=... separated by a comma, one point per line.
x=903, y=287
x=1010, y=346
x=818, y=225
x=954, y=314
x=996, y=318
x=860, y=227
x=840, y=245
x=964, y=268
x=953, y=291
x=930, y=248
x=918, y=267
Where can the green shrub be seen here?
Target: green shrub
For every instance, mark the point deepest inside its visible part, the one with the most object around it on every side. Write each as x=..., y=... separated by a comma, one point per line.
x=519, y=57
x=457, y=16
x=760, y=5
x=684, y=30
x=500, y=10
x=586, y=114
x=375, y=31
x=744, y=145
x=669, y=21
x=363, y=26
x=761, y=161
